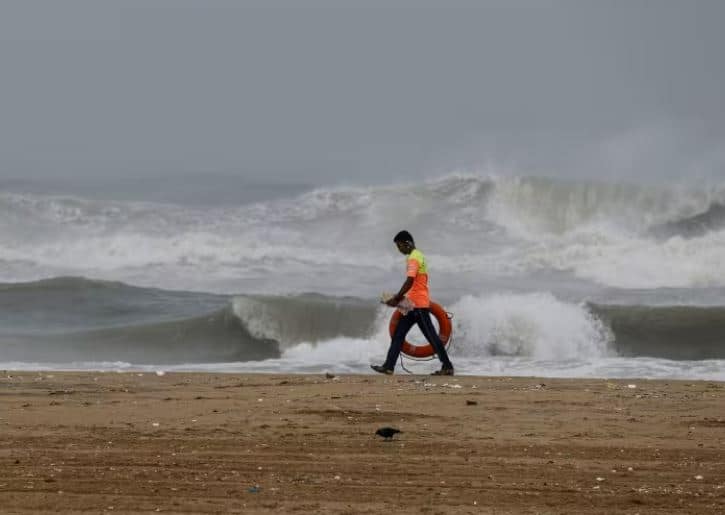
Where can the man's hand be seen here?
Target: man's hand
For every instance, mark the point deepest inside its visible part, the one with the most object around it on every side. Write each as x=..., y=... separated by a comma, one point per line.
x=393, y=301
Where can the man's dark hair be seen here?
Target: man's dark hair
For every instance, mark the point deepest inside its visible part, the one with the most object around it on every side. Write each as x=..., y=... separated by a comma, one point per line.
x=403, y=236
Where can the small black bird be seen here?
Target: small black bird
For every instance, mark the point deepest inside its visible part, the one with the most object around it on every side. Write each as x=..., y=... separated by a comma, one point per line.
x=387, y=432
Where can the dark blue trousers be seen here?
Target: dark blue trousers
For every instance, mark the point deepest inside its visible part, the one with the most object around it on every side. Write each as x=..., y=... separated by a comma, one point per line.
x=420, y=316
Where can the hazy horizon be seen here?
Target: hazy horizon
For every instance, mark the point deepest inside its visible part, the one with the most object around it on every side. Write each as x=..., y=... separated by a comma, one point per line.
x=360, y=93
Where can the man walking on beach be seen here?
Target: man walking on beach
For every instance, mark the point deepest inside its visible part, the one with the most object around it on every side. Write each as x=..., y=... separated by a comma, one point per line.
x=415, y=292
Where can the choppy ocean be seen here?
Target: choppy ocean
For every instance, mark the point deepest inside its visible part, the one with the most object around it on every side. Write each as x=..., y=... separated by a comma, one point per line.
x=545, y=277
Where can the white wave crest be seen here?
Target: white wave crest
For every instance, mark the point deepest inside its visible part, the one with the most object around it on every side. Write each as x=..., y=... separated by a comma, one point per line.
x=528, y=206
x=624, y=261
x=534, y=325
x=338, y=240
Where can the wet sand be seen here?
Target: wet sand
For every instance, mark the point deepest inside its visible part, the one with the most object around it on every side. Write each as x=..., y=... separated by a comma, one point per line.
x=221, y=443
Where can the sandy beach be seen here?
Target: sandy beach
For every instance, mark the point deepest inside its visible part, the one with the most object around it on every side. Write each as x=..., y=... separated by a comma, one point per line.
x=221, y=443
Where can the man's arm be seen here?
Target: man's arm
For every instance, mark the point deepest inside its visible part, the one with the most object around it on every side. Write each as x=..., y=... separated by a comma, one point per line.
x=394, y=301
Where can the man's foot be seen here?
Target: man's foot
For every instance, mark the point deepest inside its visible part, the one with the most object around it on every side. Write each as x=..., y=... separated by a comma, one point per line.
x=445, y=371
x=382, y=370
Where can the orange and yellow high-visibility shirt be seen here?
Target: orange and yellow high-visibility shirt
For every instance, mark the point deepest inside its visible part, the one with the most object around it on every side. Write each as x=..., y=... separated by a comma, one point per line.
x=418, y=270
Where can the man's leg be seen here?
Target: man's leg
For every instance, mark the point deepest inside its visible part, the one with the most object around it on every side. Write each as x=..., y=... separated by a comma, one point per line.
x=428, y=330
x=396, y=344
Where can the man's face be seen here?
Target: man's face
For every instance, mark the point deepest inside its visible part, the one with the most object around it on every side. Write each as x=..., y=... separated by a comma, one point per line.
x=405, y=247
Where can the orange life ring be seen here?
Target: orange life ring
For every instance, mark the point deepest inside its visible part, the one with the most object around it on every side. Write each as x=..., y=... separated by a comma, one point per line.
x=425, y=351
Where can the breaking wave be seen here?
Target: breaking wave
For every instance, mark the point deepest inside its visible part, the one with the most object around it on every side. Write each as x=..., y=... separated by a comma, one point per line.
x=74, y=319
x=336, y=240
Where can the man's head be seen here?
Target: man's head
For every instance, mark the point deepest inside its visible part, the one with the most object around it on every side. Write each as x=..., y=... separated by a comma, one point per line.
x=404, y=241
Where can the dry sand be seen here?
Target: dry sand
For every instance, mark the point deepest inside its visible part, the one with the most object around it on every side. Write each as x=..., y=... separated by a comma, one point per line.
x=216, y=443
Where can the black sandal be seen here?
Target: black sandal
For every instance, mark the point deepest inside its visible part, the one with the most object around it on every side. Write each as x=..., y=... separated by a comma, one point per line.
x=382, y=370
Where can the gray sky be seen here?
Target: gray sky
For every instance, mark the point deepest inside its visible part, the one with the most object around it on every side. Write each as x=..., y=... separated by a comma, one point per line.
x=349, y=94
